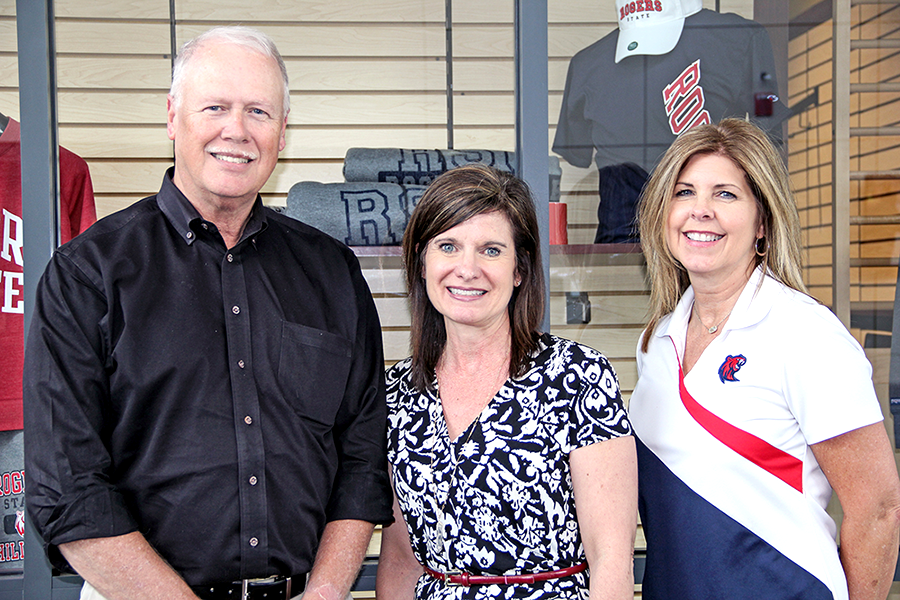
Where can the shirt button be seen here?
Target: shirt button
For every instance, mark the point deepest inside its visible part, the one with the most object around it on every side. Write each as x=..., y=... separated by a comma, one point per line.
x=235, y=309
x=254, y=542
x=205, y=226
x=253, y=480
x=248, y=420
x=230, y=257
x=241, y=364
x=190, y=235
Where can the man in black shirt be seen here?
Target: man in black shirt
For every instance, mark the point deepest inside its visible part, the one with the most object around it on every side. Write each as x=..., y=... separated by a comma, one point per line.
x=204, y=388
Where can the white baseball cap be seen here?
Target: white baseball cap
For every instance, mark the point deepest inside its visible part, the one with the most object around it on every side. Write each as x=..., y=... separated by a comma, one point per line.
x=651, y=26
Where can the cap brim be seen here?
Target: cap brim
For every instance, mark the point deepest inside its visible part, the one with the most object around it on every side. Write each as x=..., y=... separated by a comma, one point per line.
x=656, y=39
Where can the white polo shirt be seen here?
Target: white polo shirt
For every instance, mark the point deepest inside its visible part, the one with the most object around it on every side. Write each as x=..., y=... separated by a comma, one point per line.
x=784, y=370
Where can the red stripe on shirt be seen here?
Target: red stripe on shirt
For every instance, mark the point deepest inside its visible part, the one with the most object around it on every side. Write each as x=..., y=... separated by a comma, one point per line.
x=779, y=463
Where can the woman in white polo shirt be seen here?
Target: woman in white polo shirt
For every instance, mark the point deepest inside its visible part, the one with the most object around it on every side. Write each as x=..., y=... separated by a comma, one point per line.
x=753, y=400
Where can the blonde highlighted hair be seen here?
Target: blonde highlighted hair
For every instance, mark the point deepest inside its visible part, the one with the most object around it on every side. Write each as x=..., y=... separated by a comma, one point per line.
x=752, y=151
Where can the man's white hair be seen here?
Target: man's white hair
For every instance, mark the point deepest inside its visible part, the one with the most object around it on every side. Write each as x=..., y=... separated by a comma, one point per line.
x=234, y=34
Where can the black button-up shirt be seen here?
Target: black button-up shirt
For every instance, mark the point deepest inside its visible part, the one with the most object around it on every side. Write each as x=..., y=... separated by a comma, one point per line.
x=226, y=403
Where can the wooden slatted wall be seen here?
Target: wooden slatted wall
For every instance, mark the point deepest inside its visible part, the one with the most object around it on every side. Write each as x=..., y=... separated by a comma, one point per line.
x=362, y=74
x=873, y=278
x=809, y=159
x=872, y=196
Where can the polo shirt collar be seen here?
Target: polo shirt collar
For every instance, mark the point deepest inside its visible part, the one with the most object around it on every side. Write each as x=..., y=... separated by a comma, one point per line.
x=752, y=306
x=187, y=220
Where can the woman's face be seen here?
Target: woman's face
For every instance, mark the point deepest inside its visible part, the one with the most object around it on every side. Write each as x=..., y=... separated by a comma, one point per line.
x=713, y=220
x=470, y=272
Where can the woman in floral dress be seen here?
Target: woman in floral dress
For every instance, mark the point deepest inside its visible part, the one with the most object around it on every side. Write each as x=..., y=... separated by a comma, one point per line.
x=497, y=432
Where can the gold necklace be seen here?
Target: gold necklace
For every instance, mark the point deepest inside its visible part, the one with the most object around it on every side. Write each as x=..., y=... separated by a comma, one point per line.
x=715, y=327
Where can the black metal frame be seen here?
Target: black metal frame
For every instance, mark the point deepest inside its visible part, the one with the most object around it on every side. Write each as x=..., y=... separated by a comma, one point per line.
x=40, y=201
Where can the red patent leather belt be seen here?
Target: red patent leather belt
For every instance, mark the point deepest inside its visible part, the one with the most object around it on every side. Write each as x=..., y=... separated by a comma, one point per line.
x=467, y=579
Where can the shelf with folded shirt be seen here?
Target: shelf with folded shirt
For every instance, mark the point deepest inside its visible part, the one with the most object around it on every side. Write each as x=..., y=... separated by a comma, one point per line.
x=382, y=186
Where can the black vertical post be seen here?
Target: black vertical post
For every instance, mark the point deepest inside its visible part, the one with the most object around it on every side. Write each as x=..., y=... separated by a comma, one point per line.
x=448, y=53
x=532, y=119
x=40, y=199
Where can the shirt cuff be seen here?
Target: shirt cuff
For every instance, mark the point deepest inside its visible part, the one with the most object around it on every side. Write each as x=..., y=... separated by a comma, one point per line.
x=362, y=496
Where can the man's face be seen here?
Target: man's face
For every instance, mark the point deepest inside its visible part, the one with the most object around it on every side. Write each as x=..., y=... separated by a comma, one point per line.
x=228, y=126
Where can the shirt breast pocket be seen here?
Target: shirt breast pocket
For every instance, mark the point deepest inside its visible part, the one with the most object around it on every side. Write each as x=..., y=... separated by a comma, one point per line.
x=313, y=371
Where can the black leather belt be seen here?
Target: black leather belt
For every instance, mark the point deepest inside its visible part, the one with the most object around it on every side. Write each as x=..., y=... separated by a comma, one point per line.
x=269, y=588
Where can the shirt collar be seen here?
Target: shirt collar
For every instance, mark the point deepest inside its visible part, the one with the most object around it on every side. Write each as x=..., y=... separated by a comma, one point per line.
x=751, y=307
x=187, y=220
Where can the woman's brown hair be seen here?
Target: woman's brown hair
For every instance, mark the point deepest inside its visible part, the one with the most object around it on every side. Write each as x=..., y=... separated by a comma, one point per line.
x=452, y=198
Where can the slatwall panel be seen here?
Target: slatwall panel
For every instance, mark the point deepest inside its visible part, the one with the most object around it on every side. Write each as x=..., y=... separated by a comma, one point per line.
x=592, y=21
x=363, y=74
x=615, y=284
x=873, y=247
x=876, y=197
x=810, y=151
x=9, y=69
x=578, y=187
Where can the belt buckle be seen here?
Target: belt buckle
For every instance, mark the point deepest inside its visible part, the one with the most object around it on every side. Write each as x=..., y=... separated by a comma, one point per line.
x=452, y=573
x=273, y=580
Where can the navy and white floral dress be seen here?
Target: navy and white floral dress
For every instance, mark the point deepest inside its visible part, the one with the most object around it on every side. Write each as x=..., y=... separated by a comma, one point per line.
x=498, y=499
